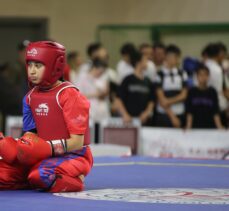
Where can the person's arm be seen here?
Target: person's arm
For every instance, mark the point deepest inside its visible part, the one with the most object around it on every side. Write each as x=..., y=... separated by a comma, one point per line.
x=165, y=102
x=178, y=98
x=189, y=109
x=218, y=122
x=173, y=118
x=216, y=110
x=122, y=96
x=28, y=120
x=75, y=142
x=101, y=94
x=183, y=94
x=189, y=121
x=162, y=99
x=121, y=108
x=104, y=92
x=147, y=112
x=226, y=93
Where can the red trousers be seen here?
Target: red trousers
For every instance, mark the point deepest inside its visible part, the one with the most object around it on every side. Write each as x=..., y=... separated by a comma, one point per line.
x=58, y=174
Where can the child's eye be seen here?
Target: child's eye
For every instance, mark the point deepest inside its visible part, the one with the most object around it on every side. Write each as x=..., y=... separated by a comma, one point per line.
x=39, y=65
x=29, y=63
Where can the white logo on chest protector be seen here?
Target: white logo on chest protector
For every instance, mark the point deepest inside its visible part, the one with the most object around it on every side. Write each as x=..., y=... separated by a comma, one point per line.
x=42, y=109
x=32, y=52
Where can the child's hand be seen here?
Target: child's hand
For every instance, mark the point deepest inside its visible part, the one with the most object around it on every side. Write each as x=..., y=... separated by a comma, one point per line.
x=32, y=149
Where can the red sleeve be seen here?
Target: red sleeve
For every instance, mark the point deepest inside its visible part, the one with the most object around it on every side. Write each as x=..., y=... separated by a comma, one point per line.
x=75, y=110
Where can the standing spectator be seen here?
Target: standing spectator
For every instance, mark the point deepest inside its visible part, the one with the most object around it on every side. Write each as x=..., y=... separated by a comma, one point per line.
x=171, y=90
x=10, y=102
x=202, y=105
x=204, y=53
x=136, y=93
x=18, y=73
x=94, y=84
x=213, y=62
x=225, y=66
x=124, y=67
x=92, y=51
x=74, y=61
x=112, y=77
x=147, y=51
x=158, y=55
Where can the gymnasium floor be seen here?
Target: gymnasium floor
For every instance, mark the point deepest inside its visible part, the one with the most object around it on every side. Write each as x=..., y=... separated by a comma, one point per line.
x=137, y=183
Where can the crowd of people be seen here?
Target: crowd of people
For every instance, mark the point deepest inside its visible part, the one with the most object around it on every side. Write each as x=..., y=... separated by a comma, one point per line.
x=150, y=82
x=153, y=84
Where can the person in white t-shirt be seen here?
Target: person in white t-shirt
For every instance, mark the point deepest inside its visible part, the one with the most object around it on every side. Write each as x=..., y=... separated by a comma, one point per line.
x=94, y=84
x=74, y=61
x=93, y=50
x=124, y=67
x=213, y=62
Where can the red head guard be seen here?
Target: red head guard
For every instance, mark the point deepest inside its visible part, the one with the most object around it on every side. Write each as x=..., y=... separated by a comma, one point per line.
x=52, y=55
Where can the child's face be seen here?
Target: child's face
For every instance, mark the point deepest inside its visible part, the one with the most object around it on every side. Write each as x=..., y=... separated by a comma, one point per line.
x=35, y=71
x=202, y=77
x=172, y=59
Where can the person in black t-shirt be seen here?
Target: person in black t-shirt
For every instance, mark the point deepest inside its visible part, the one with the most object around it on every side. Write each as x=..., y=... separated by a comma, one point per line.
x=136, y=93
x=202, y=106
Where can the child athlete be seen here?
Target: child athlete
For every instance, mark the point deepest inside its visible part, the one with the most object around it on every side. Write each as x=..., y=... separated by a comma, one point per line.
x=54, y=153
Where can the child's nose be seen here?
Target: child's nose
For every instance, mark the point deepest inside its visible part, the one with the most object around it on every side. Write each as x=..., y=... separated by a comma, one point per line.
x=32, y=69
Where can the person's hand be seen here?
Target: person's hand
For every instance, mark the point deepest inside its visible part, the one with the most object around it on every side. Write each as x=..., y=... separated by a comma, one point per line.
x=186, y=128
x=143, y=117
x=164, y=102
x=176, y=122
x=221, y=127
x=32, y=149
x=127, y=118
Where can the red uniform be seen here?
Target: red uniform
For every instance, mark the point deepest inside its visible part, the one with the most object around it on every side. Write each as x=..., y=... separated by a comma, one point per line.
x=55, y=114
x=58, y=113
